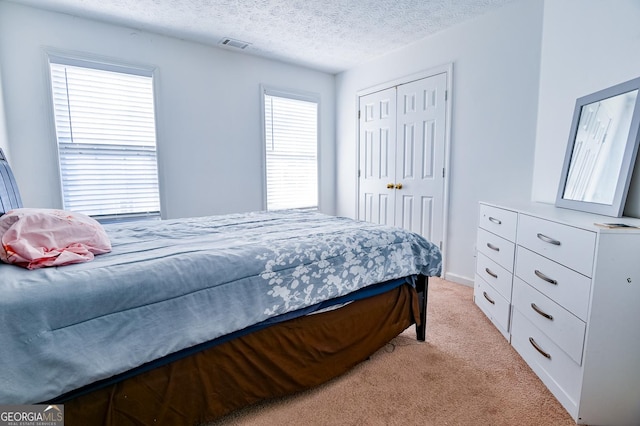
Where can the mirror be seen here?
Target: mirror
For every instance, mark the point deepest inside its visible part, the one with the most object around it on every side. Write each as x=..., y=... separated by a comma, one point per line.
x=602, y=148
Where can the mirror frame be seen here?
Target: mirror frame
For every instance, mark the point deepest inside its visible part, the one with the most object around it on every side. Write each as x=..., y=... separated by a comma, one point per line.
x=630, y=152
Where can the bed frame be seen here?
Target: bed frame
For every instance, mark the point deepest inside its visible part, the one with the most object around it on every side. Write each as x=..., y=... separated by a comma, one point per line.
x=279, y=360
x=206, y=382
x=9, y=194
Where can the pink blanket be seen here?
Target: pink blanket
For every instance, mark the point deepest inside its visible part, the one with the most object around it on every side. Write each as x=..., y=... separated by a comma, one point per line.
x=36, y=238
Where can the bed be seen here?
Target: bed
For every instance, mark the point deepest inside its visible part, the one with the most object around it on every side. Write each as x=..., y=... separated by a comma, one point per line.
x=186, y=320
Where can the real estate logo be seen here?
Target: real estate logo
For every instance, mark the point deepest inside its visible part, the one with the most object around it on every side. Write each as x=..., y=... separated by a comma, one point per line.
x=32, y=415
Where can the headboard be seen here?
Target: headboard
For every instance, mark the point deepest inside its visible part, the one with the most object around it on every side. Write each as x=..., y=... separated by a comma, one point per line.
x=9, y=194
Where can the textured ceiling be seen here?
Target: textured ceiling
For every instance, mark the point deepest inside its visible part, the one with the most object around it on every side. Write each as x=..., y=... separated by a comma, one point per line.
x=329, y=35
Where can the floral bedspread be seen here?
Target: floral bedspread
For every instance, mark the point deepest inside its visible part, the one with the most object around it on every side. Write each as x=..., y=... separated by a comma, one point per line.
x=168, y=285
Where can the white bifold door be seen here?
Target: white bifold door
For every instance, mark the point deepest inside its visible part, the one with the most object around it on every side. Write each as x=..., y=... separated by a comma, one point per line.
x=402, y=156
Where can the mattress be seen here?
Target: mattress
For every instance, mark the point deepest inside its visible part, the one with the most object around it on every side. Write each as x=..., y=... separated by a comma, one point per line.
x=170, y=285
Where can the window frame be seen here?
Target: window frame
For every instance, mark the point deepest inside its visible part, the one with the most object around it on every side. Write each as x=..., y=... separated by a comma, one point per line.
x=87, y=60
x=300, y=95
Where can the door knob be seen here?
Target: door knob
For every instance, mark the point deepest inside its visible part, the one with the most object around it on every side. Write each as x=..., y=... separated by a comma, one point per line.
x=390, y=186
x=398, y=186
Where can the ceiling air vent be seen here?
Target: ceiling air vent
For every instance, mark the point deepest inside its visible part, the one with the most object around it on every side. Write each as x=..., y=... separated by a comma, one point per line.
x=235, y=44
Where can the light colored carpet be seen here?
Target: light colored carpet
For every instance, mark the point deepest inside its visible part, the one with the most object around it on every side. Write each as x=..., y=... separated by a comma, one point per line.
x=466, y=373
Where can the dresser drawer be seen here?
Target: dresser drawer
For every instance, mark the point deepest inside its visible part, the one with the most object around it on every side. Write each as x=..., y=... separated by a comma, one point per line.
x=499, y=221
x=557, y=371
x=496, y=248
x=494, y=274
x=494, y=306
x=564, y=328
x=563, y=285
x=573, y=247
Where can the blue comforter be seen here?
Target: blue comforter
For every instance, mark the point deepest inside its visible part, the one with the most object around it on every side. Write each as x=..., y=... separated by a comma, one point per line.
x=168, y=285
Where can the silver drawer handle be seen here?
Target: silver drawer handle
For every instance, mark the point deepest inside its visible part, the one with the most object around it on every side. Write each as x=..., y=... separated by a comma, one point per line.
x=541, y=312
x=493, y=274
x=493, y=302
x=548, y=240
x=494, y=220
x=492, y=247
x=535, y=345
x=545, y=278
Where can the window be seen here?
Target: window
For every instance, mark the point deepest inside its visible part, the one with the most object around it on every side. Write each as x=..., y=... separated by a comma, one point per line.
x=291, y=147
x=105, y=128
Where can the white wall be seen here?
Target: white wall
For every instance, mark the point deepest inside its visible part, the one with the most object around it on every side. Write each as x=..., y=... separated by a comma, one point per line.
x=587, y=45
x=208, y=116
x=496, y=61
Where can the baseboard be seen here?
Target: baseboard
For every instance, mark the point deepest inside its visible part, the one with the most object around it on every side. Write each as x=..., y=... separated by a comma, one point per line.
x=458, y=279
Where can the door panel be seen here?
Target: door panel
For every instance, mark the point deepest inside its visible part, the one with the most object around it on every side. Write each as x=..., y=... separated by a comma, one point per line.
x=408, y=151
x=426, y=213
x=420, y=156
x=377, y=156
x=428, y=150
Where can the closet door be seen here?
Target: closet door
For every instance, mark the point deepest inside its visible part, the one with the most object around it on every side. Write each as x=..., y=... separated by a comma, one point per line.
x=377, y=157
x=402, y=138
x=420, y=146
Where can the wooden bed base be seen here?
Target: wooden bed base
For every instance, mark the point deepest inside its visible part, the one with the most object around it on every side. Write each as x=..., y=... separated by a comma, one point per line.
x=278, y=360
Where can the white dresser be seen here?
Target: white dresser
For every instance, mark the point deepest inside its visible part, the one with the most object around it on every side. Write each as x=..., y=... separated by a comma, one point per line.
x=496, y=247
x=566, y=294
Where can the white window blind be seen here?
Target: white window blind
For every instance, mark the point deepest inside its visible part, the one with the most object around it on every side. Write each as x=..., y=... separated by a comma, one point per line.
x=105, y=126
x=291, y=133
